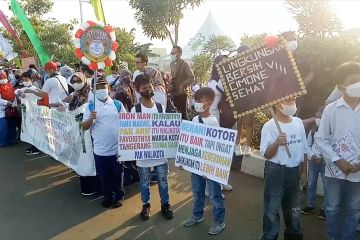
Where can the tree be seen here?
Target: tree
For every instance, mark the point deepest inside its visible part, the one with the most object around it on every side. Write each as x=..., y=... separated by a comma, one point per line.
x=159, y=17
x=55, y=36
x=251, y=40
x=202, y=64
x=315, y=18
x=217, y=45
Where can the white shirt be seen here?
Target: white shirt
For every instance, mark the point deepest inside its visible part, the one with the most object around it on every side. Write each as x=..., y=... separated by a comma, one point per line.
x=210, y=120
x=214, y=110
x=3, y=104
x=149, y=163
x=338, y=120
x=54, y=87
x=28, y=96
x=111, y=79
x=313, y=147
x=296, y=140
x=105, y=130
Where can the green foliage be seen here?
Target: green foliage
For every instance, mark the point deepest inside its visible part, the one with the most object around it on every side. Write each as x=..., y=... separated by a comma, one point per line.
x=251, y=40
x=202, y=64
x=315, y=18
x=37, y=8
x=158, y=17
x=218, y=44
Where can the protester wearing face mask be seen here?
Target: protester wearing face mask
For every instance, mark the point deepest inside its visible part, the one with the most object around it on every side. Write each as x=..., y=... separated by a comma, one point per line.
x=81, y=93
x=316, y=167
x=113, y=78
x=27, y=85
x=148, y=105
x=102, y=117
x=203, y=100
x=182, y=77
x=55, y=87
x=155, y=77
x=339, y=119
x=281, y=172
x=7, y=124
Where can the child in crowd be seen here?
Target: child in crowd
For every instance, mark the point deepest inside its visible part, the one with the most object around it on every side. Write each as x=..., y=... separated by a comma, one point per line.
x=203, y=100
x=281, y=172
x=339, y=119
x=102, y=116
x=147, y=105
x=316, y=166
x=27, y=83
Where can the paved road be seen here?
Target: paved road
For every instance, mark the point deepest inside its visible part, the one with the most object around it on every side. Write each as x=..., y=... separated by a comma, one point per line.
x=40, y=199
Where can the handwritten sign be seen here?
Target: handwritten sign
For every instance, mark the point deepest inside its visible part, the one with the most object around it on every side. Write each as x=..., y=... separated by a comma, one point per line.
x=206, y=150
x=259, y=78
x=59, y=134
x=145, y=136
x=346, y=148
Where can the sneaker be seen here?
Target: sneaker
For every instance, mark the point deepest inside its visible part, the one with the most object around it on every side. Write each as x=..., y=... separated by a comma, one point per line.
x=116, y=204
x=223, y=196
x=322, y=215
x=167, y=212
x=145, y=212
x=216, y=228
x=237, y=150
x=32, y=151
x=192, y=221
x=247, y=150
x=307, y=210
x=227, y=187
x=106, y=203
x=28, y=150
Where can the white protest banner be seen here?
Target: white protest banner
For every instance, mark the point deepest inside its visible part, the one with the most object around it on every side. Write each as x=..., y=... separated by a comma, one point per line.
x=145, y=136
x=346, y=148
x=206, y=150
x=59, y=134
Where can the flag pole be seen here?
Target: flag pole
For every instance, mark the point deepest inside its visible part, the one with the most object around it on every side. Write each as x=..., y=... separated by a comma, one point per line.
x=81, y=11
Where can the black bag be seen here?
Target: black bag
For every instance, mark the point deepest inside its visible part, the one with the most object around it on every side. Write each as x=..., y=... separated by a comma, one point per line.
x=227, y=119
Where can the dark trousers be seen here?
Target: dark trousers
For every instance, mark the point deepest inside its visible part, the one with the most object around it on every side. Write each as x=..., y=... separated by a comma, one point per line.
x=281, y=191
x=90, y=184
x=180, y=104
x=111, y=174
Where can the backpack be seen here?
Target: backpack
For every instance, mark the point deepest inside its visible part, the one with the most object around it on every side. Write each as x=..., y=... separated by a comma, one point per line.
x=227, y=119
x=7, y=92
x=116, y=103
x=158, y=106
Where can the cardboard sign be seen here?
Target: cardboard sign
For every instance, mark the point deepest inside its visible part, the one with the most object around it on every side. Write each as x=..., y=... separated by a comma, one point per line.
x=346, y=148
x=206, y=150
x=145, y=136
x=96, y=44
x=259, y=78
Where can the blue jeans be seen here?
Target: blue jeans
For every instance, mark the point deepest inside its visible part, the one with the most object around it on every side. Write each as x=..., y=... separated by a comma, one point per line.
x=111, y=174
x=313, y=174
x=145, y=175
x=342, y=194
x=281, y=191
x=198, y=188
x=8, y=135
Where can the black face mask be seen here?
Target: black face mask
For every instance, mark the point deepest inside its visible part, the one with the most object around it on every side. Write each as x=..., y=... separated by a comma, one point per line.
x=147, y=94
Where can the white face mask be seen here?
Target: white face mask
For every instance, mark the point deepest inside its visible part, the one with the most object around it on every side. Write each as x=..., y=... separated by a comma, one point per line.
x=78, y=86
x=288, y=110
x=115, y=75
x=317, y=121
x=101, y=94
x=173, y=57
x=199, y=107
x=292, y=45
x=27, y=84
x=353, y=90
x=3, y=81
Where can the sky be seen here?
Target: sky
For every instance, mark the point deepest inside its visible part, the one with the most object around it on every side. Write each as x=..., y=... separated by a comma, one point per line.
x=235, y=17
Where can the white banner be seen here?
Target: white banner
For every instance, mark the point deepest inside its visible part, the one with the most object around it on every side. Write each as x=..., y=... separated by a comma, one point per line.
x=59, y=134
x=145, y=136
x=206, y=150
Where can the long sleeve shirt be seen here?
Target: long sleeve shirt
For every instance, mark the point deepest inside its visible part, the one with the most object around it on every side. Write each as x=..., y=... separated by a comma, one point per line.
x=338, y=120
